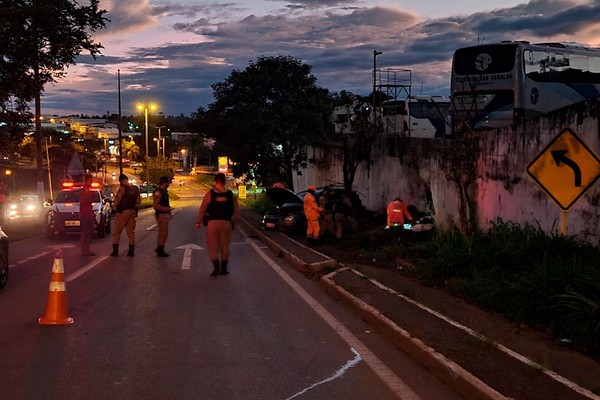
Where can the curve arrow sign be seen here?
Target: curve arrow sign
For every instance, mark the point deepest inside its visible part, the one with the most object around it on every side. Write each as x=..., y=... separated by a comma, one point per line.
x=560, y=156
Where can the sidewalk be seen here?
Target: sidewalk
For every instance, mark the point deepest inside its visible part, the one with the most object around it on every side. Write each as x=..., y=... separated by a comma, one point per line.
x=479, y=355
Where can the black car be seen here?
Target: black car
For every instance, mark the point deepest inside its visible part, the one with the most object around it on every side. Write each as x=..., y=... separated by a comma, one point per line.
x=3, y=259
x=288, y=214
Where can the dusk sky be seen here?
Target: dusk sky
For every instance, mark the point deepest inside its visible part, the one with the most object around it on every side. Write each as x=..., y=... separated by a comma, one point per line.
x=171, y=52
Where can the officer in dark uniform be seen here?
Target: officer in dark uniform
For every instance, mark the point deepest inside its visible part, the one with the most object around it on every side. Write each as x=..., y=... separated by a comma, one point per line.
x=162, y=212
x=126, y=203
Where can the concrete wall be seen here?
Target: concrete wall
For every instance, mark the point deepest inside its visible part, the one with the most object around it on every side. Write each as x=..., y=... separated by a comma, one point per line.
x=474, y=180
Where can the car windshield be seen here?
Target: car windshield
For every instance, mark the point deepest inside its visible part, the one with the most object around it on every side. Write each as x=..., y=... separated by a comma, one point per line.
x=72, y=196
x=28, y=199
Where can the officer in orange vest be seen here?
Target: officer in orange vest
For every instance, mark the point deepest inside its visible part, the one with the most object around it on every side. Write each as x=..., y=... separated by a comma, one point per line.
x=396, y=213
x=312, y=211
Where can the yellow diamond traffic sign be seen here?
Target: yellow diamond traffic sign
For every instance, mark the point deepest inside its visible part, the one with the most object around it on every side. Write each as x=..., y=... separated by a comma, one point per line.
x=565, y=169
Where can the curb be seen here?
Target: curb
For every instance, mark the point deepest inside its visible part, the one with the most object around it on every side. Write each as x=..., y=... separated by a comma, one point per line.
x=289, y=257
x=456, y=377
x=452, y=374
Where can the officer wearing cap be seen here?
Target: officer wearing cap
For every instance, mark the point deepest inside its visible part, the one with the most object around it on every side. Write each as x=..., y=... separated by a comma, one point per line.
x=222, y=209
x=126, y=203
x=162, y=212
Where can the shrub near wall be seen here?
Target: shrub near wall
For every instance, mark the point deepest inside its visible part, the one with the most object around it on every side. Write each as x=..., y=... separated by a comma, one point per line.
x=546, y=281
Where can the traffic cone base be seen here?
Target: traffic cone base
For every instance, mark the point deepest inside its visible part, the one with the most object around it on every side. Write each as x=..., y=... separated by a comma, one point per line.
x=56, y=306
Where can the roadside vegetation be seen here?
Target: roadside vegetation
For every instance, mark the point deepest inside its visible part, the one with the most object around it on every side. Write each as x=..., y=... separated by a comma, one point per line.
x=548, y=282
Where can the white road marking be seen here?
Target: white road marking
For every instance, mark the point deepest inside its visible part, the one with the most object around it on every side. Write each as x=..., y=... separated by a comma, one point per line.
x=559, y=378
x=42, y=254
x=396, y=385
x=151, y=227
x=88, y=267
x=187, y=254
x=351, y=363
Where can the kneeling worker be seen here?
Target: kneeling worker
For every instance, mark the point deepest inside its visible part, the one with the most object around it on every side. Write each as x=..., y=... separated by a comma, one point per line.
x=396, y=213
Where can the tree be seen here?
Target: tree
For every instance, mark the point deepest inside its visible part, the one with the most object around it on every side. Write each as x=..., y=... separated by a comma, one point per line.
x=267, y=115
x=357, y=137
x=40, y=39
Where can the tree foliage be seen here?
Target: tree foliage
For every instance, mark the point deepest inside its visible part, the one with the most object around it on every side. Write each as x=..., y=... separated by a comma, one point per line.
x=40, y=39
x=266, y=115
x=357, y=136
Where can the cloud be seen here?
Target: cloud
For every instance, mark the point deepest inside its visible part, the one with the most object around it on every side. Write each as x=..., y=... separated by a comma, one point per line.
x=336, y=38
x=129, y=16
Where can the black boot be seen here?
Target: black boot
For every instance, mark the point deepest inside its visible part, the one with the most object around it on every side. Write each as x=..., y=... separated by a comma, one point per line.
x=160, y=251
x=115, y=252
x=216, y=268
x=224, y=267
x=130, y=252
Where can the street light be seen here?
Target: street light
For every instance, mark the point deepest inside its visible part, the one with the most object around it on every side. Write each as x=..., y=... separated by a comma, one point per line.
x=375, y=54
x=163, y=139
x=145, y=107
x=184, y=157
x=158, y=144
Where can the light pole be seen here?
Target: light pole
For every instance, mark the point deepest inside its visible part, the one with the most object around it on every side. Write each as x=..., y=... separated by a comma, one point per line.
x=161, y=138
x=375, y=54
x=145, y=107
x=184, y=157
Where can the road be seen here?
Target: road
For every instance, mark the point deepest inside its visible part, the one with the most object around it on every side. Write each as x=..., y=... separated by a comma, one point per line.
x=162, y=328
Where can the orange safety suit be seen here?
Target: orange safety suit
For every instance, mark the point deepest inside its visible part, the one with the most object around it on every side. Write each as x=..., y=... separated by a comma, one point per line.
x=396, y=211
x=311, y=211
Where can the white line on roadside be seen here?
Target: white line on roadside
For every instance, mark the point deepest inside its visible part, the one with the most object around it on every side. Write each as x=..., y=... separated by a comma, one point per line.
x=31, y=258
x=396, y=385
x=85, y=269
x=559, y=378
x=151, y=227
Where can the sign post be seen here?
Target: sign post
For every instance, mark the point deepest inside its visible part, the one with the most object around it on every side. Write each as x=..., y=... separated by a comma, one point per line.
x=565, y=170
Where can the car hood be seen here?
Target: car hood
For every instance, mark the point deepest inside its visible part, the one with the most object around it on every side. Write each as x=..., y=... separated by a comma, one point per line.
x=280, y=196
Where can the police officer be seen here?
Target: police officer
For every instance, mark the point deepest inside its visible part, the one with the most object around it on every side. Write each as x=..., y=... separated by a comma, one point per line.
x=162, y=212
x=126, y=203
x=223, y=212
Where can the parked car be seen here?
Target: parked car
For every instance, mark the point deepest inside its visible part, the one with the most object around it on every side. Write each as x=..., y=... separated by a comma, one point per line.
x=288, y=214
x=146, y=190
x=63, y=216
x=3, y=259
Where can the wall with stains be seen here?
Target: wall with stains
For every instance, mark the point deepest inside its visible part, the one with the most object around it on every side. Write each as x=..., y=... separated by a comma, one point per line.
x=473, y=180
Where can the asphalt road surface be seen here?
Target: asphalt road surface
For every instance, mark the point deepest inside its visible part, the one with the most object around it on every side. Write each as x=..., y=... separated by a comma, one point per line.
x=162, y=328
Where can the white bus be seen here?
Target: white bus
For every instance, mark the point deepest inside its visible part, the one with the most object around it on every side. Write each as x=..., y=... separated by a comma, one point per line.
x=417, y=116
x=500, y=84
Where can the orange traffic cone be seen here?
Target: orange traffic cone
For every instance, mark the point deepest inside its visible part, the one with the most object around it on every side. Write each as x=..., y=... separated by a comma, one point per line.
x=56, y=307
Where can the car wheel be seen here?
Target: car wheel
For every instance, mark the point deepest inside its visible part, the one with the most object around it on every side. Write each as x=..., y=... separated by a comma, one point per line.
x=49, y=233
x=3, y=268
x=108, y=225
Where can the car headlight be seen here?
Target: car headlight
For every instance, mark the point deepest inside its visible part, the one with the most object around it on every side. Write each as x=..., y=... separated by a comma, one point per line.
x=12, y=206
